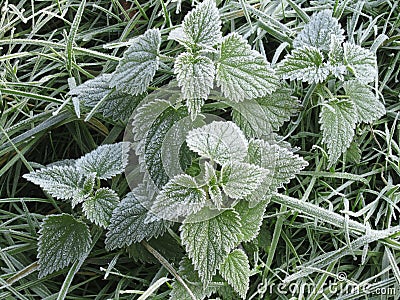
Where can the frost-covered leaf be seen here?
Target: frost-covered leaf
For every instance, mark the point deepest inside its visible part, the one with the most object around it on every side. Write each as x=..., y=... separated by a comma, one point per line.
x=202, y=26
x=319, y=31
x=195, y=74
x=209, y=242
x=353, y=153
x=139, y=64
x=180, y=197
x=106, y=160
x=336, y=58
x=360, y=62
x=243, y=73
x=305, y=64
x=236, y=271
x=220, y=141
x=262, y=115
x=191, y=277
x=151, y=125
x=99, y=208
x=128, y=222
x=281, y=162
x=114, y=104
x=366, y=103
x=88, y=186
x=251, y=218
x=63, y=240
x=194, y=107
x=62, y=182
x=239, y=180
x=338, y=121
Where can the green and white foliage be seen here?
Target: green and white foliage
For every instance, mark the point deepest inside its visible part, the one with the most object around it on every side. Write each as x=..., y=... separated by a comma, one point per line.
x=242, y=73
x=111, y=103
x=139, y=64
x=132, y=222
x=235, y=169
x=64, y=239
x=320, y=55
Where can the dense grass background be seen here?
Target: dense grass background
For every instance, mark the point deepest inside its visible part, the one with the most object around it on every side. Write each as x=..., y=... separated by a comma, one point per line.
x=45, y=43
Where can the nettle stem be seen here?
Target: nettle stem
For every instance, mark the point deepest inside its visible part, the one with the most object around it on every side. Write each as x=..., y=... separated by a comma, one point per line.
x=168, y=266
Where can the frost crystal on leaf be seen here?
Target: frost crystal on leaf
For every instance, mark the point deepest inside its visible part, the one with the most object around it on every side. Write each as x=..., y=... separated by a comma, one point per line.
x=139, y=64
x=106, y=161
x=336, y=58
x=180, y=197
x=318, y=32
x=128, y=222
x=220, y=141
x=195, y=74
x=236, y=271
x=305, y=64
x=202, y=26
x=366, y=103
x=338, y=122
x=239, y=180
x=243, y=73
x=251, y=218
x=98, y=209
x=360, y=62
x=114, y=104
x=209, y=242
x=62, y=240
x=62, y=182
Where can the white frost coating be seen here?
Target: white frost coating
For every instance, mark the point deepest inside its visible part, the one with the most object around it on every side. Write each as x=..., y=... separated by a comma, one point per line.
x=98, y=209
x=318, y=32
x=366, y=103
x=139, y=64
x=239, y=180
x=361, y=62
x=337, y=125
x=180, y=197
x=209, y=242
x=195, y=74
x=220, y=141
x=305, y=64
x=106, y=160
x=202, y=26
x=236, y=271
x=243, y=73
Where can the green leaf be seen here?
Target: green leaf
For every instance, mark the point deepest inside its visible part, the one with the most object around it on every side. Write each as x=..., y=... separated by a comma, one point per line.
x=151, y=125
x=239, y=180
x=63, y=240
x=366, y=103
x=236, y=271
x=360, y=62
x=209, y=242
x=251, y=218
x=220, y=141
x=62, y=182
x=319, y=31
x=180, y=197
x=191, y=277
x=106, y=160
x=113, y=104
x=202, y=26
x=139, y=64
x=338, y=122
x=131, y=222
x=305, y=64
x=195, y=74
x=336, y=58
x=98, y=209
x=243, y=73
x=281, y=162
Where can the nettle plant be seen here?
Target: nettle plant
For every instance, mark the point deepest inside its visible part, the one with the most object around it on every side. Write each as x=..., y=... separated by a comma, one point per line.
x=340, y=73
x=230, y=169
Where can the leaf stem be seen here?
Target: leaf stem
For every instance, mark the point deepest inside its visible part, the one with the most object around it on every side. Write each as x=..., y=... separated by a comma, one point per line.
x=168, y=266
